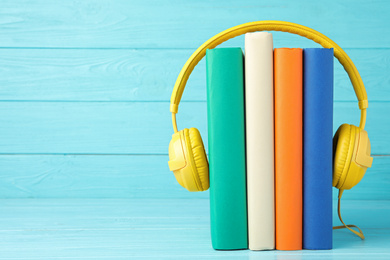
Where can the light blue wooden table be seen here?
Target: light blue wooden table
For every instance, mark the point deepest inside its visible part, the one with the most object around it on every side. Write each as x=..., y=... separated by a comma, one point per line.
x=85, y=124
x=159, y=228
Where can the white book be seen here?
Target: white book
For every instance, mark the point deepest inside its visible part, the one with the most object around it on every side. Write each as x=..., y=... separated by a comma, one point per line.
x=260, y=140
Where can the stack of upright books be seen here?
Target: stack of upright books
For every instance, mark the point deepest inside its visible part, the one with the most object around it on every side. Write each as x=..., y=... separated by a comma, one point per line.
x=270, y=116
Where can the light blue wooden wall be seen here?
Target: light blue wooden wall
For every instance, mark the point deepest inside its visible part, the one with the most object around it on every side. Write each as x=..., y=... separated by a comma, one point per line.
x=85, y=88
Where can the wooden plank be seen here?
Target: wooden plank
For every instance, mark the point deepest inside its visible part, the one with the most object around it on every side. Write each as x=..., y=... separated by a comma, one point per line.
x=120, y=176
x=92, y=127
x=143, y=75
x=132, y=127
x=181, y=24
x=94, y=74
x=70, y=176
x=162, y=229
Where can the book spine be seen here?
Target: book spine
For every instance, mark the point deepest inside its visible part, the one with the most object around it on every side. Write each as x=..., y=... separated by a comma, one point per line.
x=317, y=148
x=288, y=148
x=226, y=142
x=260, y=139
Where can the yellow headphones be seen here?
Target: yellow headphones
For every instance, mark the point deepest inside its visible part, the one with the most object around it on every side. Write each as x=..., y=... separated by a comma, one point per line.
x=351, y=146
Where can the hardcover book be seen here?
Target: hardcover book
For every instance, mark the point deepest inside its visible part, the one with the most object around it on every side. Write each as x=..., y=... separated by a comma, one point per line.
x=226, y=139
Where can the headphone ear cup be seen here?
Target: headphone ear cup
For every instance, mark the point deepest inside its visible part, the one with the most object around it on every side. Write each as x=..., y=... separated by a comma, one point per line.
x=188, y=161
x=343, y=146
x=201, y=168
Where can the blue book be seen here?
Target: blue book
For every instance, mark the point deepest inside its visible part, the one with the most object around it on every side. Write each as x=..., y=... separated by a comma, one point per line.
x=226, y=133
x=317, y=147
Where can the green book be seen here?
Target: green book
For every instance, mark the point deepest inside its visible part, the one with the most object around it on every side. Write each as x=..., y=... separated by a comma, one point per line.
x=226, y=139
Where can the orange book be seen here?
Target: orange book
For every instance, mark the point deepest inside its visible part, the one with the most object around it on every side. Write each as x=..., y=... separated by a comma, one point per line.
x=288, y=148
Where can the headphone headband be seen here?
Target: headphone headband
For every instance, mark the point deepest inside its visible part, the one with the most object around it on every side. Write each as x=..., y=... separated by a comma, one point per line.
x=293, y=28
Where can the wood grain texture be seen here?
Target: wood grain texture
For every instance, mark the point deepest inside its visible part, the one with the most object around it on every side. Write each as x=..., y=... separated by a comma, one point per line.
x=132, y=127
x=84, y=79
x=88, y=176
x=144, y=75
x=92, y=127
x=162, y=229
x=94, y=75
x=156, y=24
x=122, y=176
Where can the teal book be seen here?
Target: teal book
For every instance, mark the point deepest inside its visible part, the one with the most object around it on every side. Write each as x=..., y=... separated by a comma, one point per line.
x=226, y=139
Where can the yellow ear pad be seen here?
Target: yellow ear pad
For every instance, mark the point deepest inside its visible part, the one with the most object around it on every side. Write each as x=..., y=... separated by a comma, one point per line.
x=341, y=153
x=351, y=156
x=200, y=158
x=188, y=161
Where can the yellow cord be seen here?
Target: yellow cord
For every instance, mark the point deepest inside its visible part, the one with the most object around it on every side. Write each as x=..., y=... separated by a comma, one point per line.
x=360, y=233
